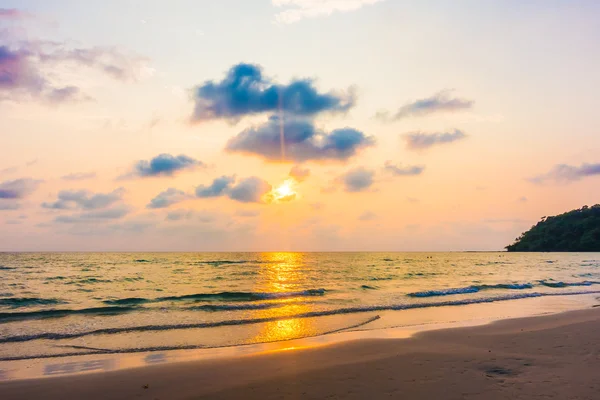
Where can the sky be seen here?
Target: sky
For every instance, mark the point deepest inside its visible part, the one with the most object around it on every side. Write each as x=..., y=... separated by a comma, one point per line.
x=294, y=125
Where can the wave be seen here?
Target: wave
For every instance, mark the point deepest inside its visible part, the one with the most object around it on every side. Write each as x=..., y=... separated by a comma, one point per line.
x=218, y=263
x=234, y=307
x=59, y=313
x=553, y=284
x=367, y=287
x=312, y=314
x=127, y=301
x=17, y=302
x=243, y=296
x=5, y=268
x=470, y=289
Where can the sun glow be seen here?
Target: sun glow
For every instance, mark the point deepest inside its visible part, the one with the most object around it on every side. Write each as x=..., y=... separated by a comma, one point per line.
x=285, y=191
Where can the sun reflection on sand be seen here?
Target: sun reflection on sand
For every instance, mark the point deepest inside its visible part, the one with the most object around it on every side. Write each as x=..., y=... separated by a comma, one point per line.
x=282, y=272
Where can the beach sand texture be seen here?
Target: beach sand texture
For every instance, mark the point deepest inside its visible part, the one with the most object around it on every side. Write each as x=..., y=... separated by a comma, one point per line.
x=549, y=357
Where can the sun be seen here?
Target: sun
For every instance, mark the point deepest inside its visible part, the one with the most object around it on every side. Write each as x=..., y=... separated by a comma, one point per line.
x=285, y=191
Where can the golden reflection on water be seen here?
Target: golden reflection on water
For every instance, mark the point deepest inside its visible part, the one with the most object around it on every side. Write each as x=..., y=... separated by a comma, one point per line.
x=283, y=272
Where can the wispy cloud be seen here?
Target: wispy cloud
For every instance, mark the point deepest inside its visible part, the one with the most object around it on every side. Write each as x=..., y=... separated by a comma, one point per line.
x=563, y=173
x=84, y=199
x=441, y=102
x=78, y=176
x=18, y=188
x=422, y=140
x=168, y=198
x=295, y=10
x=399, y=170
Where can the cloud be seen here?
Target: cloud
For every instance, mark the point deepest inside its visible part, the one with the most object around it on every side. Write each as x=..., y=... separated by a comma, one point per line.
x=409, y=170
x=83, y=199
x=8, y=205
x=245, y=91
x=299, y=174
x=217, y=188
x=522, y=199
x=12, y=14
x=247, y=190
x=250, y=190
x=367, y=216
x=422, y=140
x=187, y=215
x=302, y=142
x=439, y=103
x=94, y=216
x=35, y=69
x=18, y=189
x=357, y=180
x=164, y=165
x=563, y=173
x=167, y=198
x=300, y=9
x=78, y=176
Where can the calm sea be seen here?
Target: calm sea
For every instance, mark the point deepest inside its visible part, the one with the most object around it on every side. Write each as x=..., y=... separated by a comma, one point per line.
x=54, y=304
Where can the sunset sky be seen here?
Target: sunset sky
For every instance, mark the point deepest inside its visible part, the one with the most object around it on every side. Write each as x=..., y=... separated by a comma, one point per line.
x=407, y=125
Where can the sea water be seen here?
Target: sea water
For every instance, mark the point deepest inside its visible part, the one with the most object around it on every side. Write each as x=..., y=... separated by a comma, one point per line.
x=63, y=304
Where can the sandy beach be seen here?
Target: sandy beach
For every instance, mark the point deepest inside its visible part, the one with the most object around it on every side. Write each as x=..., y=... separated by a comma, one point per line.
x=555, y=356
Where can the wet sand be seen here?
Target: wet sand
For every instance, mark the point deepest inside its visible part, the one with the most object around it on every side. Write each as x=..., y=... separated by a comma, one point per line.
x=550, y=357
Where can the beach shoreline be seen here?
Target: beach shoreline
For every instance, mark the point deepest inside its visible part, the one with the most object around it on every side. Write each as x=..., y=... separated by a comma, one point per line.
x=503, y=356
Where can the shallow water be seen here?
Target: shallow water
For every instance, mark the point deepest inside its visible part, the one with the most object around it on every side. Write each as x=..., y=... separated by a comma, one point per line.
x=56, y=304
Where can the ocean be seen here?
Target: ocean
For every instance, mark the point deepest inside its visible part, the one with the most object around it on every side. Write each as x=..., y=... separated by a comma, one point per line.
x=64, y=304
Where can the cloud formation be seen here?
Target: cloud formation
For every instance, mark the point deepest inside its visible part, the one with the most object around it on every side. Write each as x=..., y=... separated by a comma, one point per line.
x=167, y=198
x=28, y=69
x=94, y=216
x=422, y=140
x=164, y=165
x=18, y=188
x=399, y=170
x=247, y=190
x=302, y=142
x=84, y=199
x=79, y=176
x=300, y=9
x=250, y=190
x=440, y=102
x=299, y=173
x=563, y=173
x=357, y=180
x=217, y=188
x=12, y=14
x=246, y=91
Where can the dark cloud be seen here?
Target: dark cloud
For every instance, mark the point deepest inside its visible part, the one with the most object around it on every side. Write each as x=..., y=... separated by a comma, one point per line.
x=94, y=216
x=167, y=198
x=164, y=165
x=409, y=170
x=217, y=188
x=83, y=199
x=250, y=190
x=302, y=142
x=440, y=102
x=563, y=173
x=246, y=91
x=79, y=176
x=299, y=174
x=18, y=189
x=421, y=140
x=357, y=180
